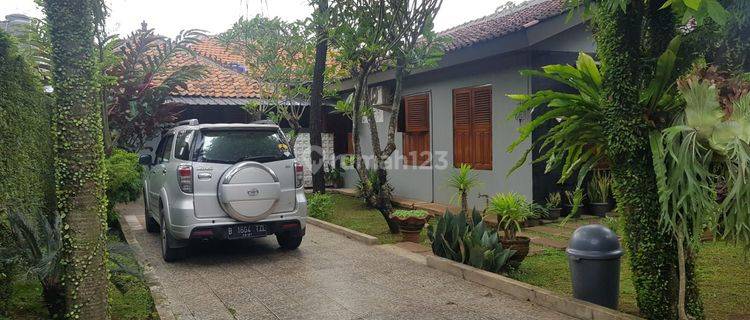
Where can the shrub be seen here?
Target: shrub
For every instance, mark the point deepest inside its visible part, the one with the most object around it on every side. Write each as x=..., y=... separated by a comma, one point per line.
x=123, y=180
x=320, y=205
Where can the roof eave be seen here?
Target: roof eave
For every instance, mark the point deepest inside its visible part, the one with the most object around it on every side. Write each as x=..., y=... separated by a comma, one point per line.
x=513, y=41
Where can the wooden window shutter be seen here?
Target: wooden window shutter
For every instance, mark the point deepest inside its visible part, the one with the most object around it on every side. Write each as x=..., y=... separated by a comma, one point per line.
x=482, y=127
x=416, y=136
x=417, y=113
x=462, y=126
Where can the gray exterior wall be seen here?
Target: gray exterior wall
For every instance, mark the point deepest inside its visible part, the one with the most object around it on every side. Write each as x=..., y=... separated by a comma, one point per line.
x=502, y=73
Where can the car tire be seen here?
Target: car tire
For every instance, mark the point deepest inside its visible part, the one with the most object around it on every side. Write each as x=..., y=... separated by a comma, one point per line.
x=151, y=225
x=168, y=253
x=288, y=242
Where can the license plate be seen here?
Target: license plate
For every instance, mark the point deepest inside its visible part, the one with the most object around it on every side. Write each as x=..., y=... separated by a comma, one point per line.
x=246, y=231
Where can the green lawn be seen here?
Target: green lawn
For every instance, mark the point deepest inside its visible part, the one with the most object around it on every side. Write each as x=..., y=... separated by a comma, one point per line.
x=724, y=283
x=352, y=213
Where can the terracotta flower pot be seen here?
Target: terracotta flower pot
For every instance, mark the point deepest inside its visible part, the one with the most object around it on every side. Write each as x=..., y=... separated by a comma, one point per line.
x=410, y=227
x=520, y=245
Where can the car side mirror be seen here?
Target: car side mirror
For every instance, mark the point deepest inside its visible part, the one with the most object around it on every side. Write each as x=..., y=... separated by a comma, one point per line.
x=145, y=160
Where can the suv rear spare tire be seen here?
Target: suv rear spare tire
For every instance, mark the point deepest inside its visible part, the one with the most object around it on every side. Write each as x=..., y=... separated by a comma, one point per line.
x=248, y=191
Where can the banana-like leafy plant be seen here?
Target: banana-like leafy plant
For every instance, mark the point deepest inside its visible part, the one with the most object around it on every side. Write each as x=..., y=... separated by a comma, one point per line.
x=576, y=143
x=702, y=164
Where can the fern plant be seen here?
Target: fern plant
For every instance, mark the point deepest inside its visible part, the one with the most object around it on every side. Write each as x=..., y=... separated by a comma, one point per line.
x=702, y=164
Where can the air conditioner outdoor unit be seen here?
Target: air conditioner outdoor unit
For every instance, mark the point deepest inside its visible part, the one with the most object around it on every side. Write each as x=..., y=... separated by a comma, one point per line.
x=380, y=96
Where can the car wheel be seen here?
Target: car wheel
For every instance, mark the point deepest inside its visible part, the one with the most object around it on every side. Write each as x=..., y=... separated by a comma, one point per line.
x=168, y=253
x=288, y=242
x=151, y=225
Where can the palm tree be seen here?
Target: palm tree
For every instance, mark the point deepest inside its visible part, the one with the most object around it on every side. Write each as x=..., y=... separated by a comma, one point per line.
x=463, y=181
x=79, y=155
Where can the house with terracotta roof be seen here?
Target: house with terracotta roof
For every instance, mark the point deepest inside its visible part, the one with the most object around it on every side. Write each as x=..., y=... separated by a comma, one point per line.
x=457, y=112
x=220, y=95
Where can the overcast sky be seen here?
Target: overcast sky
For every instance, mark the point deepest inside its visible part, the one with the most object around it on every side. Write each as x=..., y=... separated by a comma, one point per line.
x=171, y=16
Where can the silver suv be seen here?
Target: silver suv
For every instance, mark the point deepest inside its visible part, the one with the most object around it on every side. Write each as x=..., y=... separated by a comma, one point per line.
x=223, y=181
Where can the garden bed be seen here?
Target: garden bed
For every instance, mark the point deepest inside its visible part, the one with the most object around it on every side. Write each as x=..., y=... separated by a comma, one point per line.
x=352, y=213
x=129, y=296
x=724, y=291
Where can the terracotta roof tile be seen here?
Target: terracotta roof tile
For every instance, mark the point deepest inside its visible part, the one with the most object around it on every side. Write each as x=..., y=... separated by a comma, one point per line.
x=501, y=23
x=220, y=80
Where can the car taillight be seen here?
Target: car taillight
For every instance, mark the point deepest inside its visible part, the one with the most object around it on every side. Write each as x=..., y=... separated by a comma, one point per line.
x=299, y=174
x=185, y=178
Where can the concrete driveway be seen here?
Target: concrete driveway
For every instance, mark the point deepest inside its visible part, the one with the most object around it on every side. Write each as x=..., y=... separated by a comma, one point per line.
x=328, y=277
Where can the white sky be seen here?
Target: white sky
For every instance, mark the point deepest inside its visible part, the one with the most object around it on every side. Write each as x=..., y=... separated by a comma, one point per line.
x=168, y=17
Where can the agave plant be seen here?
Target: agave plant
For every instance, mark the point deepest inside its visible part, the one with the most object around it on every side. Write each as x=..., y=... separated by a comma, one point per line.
x=455, y=237
x=463, y=181
x=704, y=153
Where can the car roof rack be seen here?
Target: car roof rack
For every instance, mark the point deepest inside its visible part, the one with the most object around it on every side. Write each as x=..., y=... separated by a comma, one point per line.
x=188, y=122
x=265, y=121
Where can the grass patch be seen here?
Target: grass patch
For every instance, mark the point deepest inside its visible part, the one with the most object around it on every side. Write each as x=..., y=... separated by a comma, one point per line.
x=352, y=213
x=725, y=288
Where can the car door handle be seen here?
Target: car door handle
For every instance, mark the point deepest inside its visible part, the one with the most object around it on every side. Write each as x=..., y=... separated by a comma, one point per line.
x=204, y=176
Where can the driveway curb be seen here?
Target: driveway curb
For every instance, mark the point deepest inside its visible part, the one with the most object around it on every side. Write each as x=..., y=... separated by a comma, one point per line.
x=542, y=297
x=152, y=280
x=349, y=233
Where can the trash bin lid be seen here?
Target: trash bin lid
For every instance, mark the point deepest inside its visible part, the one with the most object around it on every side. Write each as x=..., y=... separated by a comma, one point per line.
x=594, y=241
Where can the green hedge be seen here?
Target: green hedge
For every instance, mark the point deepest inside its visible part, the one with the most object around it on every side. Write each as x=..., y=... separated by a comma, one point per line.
x=26, y=175
x=123, y=180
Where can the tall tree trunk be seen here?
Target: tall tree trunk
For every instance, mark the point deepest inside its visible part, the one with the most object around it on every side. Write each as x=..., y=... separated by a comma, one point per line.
x=78, y=158
x=653, y=254
x=316, y=97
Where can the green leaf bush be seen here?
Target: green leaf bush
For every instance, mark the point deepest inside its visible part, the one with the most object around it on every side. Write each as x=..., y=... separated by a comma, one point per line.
x=320, y=205
x=124, y=182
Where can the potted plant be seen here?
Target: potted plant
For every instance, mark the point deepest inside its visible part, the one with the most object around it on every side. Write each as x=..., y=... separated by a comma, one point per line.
x=574, y=211
x=463, y=181
x=411, y=223
x=599, y=191
x=335, y=176
x=553, y=205
x=512, y=210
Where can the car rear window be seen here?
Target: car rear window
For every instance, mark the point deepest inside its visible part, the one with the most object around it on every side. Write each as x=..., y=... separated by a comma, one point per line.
x=233, y=146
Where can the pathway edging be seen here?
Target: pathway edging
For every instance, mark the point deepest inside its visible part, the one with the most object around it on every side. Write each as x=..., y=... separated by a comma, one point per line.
x=523, y=291
x=349, y=233
x=152, y=280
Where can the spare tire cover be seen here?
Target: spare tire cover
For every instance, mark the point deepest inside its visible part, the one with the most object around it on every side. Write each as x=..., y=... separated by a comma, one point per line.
x=248, y=191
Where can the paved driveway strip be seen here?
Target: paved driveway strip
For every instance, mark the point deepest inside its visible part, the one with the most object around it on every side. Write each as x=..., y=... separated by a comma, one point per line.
x=328, y=277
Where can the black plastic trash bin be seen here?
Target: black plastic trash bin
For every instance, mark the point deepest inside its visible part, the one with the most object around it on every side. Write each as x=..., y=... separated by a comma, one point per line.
x=594, y=257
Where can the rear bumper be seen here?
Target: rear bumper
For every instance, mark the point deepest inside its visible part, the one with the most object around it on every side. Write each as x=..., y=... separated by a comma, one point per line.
x=183, y=222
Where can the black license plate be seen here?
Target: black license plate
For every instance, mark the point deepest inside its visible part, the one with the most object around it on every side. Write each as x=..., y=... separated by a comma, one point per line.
x=245, y=231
